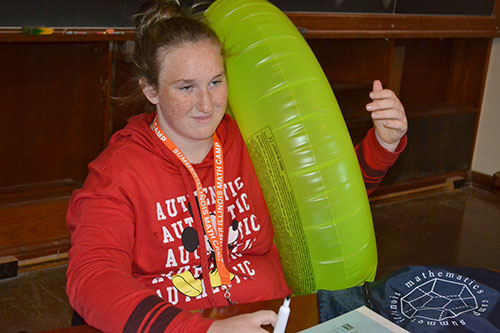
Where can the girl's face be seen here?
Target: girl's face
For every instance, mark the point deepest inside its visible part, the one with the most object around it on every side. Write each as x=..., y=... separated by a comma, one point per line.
x=191, y=96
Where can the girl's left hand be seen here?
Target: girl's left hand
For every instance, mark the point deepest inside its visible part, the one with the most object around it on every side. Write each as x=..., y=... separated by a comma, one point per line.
x=388, y=114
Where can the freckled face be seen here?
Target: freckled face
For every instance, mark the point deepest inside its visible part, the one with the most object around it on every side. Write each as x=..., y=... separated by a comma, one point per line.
x=191, y=96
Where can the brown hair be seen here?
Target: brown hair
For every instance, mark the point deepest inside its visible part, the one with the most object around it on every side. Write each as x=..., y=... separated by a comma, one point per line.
x=160, y=26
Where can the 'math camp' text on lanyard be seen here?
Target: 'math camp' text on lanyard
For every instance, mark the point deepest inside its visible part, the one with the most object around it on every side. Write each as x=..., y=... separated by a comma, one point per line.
x=215, y=236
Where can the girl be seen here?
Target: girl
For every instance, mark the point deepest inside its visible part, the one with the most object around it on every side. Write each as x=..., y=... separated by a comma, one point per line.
x=171, y=217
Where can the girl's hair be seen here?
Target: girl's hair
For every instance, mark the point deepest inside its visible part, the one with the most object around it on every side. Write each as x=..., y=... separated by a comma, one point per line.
x=160, y=25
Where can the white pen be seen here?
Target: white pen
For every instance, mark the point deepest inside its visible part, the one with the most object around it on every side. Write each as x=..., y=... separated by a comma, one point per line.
x=283, y=314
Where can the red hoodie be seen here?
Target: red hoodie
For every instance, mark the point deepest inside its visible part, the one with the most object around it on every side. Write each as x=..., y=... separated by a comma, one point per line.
x=139, y=258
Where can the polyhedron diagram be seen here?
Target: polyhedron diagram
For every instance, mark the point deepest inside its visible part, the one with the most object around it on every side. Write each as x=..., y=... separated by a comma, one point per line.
x=437, y=300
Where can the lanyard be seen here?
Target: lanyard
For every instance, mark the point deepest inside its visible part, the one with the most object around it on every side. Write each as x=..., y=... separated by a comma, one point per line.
x=215, y=236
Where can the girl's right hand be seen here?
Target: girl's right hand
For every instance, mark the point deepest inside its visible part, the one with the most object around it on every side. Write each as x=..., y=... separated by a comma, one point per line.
x=248, y=322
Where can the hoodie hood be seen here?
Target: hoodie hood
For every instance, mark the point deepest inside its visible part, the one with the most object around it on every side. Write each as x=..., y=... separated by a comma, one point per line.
x=139, y=132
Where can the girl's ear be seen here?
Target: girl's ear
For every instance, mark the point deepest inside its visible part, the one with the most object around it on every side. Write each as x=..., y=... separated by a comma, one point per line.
x=149, y=91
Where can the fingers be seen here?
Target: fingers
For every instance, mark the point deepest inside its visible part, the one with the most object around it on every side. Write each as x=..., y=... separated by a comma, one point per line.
x=377, y=85
x=378, y=92
x=248, y=322
x=388, y=114
x=387, y=110
x=390, y=118
x=382, y=94
x=384, y=104
x=264, y=317
x=395, y=125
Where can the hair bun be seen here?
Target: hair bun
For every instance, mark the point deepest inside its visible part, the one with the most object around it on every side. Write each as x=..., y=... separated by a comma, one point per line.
x=154, y=11
x=162, y=24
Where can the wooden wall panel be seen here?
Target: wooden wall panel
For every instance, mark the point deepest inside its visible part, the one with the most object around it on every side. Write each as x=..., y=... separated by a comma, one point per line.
x=437, y=145
x=353, y=60
x=468, y=72
x=56, y=115
x=333, y=25
x=426, y=71
x=33, y=223
x=351, y=66
x=53, y=122
x=52, y=110
x=439, y=82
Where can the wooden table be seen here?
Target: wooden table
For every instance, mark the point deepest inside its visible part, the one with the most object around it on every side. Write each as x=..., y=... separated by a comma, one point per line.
x=303, y=313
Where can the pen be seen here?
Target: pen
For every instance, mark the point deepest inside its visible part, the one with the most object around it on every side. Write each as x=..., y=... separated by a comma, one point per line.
x=283, y=314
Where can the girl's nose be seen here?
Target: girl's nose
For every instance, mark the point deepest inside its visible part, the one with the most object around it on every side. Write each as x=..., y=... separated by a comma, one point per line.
x=205, y=103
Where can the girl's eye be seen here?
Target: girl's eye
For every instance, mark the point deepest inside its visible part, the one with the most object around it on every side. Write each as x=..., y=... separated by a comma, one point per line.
x=215, y=83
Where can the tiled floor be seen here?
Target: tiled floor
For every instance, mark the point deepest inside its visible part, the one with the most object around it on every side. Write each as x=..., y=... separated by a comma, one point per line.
x=34, y=301
x=459, y=228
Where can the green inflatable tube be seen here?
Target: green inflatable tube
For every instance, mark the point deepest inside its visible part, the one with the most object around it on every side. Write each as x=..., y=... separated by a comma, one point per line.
x=300, y=148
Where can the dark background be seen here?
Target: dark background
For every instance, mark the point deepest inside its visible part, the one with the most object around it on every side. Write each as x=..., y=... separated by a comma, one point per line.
x=118, y=13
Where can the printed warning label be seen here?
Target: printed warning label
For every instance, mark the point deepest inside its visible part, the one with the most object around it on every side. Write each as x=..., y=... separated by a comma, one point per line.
x=288, y=231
